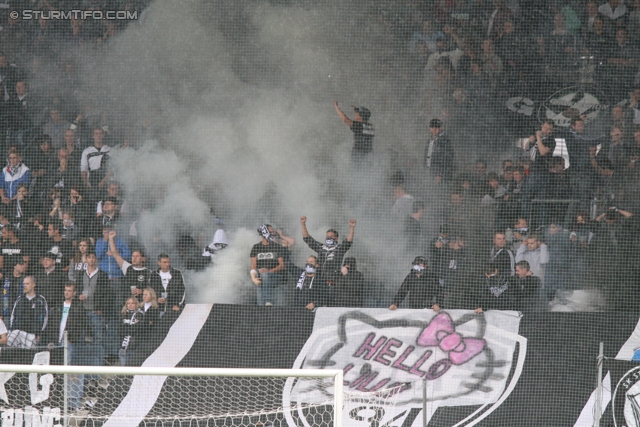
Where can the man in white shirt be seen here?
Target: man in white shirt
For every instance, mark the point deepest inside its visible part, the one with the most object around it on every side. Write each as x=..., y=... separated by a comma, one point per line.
x=168, y=284
x=93, y=165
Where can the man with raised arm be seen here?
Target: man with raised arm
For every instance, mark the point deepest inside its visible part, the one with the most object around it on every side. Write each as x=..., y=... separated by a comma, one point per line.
x=363, y=131
x=109, y=265
x=136, y=276
x=330, y=253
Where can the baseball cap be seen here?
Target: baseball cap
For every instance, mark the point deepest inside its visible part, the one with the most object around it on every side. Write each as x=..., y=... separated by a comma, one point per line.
x=364, y=112
x=50, y=254
x=435, y=123
x=419, y=260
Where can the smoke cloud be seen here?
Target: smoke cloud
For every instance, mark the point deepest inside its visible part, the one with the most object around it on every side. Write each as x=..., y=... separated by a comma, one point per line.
x=240, y=95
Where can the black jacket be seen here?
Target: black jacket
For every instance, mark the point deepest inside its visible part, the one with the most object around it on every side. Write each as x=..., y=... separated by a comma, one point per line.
x=423, y=291
x=442, y=157
x=175, y=289
x=496, y=293
x=75, y=326
x=312, y=289
x=527, y=295
x=151, y=316
x=131, y=328
x=30, y=316
x=13, y=286
x=505, y=261
x=349, y=290
x=51, y=286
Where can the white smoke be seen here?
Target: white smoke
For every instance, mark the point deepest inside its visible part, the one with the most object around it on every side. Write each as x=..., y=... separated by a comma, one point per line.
x=251, y=130
x=227, y=282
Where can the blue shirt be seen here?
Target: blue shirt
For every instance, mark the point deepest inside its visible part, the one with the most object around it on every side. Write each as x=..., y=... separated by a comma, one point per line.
x=108, y=263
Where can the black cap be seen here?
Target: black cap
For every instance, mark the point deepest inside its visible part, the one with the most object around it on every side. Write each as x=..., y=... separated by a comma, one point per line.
x=419, y=260
x=364, y=112
x=435, y=123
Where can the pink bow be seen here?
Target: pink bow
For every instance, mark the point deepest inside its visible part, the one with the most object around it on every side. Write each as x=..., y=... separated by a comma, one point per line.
x=441, y=333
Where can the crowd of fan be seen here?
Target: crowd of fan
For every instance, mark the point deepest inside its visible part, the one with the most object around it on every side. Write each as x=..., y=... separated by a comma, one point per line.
x=59, y=199
x=567, y=203
x=70, y=260
x=466, y=58
x=72, y=270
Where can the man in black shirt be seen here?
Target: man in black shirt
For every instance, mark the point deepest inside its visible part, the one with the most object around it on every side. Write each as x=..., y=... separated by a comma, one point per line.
x=363, y=131
x=136, y=276
x=494, y=291
x=437, y=248
x=349, y=290
x=577, y=146
x=267, y=264
x=331, y=253
x=413, y=229
x=13, y=249
x=502, y=256
x=56, y=245
x=528, y=288
x=439, y=158
x=421, y=285
x=28, y=317
x=540, y=148
x=51, y=280
x=13, y=286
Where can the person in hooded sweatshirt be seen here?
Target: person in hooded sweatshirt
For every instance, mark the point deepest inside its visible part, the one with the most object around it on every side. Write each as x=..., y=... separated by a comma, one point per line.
x=494, y=291
x=420, y=286
x=220, y=241
x=350, y=285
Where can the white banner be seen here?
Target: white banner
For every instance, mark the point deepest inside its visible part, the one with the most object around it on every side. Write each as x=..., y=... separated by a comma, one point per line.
x=467, y=359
